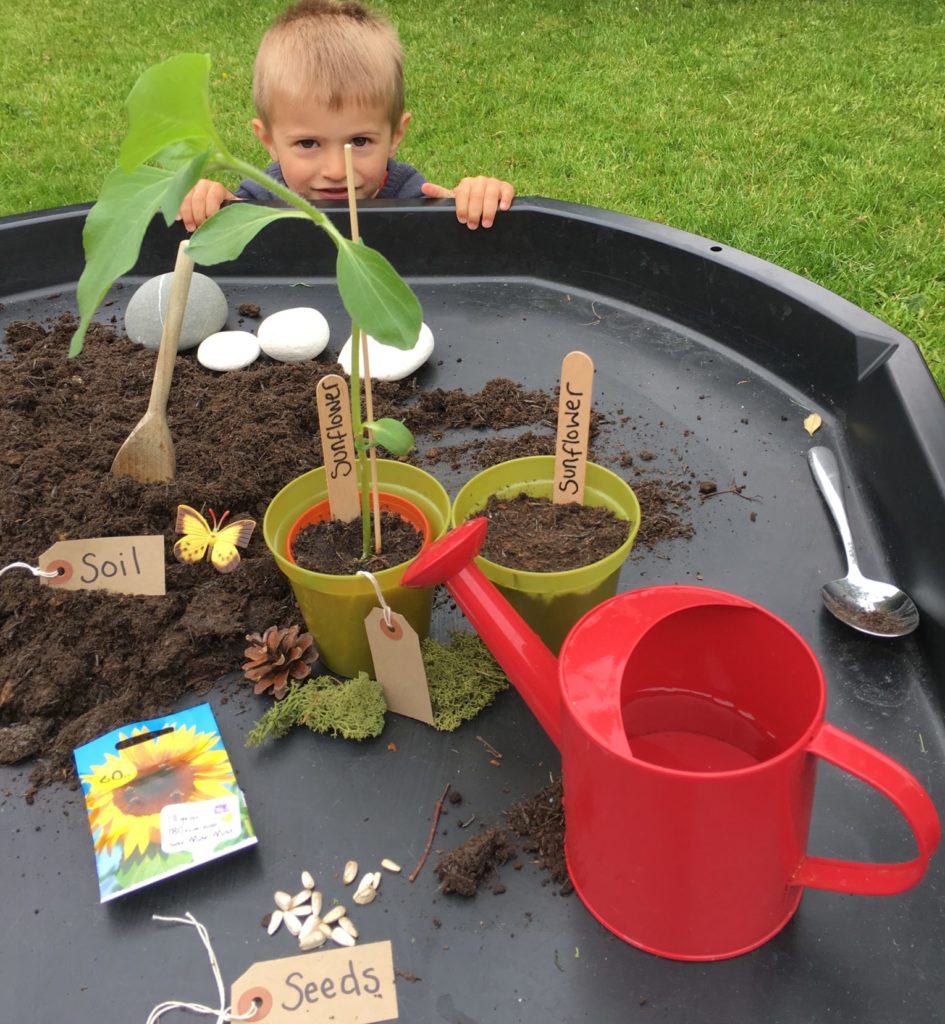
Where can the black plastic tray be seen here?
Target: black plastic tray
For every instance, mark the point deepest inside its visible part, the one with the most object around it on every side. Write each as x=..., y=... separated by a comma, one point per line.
x=711, y=353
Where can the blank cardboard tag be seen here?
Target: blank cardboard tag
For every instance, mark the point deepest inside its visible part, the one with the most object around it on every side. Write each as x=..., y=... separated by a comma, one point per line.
x=344, y=986
x=398, y=665
x=574, y=427
x=123, y=565
x=334, y=427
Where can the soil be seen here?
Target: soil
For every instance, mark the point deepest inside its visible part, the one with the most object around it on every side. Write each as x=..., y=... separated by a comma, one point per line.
x=538, y=821
x=535, y=535
x=335, y=548
x=76, y=664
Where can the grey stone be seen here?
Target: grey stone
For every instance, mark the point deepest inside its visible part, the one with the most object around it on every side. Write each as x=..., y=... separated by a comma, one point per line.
x=205, y=314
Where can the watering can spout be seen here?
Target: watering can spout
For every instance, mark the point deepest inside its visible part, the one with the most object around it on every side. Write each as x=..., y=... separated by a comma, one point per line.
x=532, y=668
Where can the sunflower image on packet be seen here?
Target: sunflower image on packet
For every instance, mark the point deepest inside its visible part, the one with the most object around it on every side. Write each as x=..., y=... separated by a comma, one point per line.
x=162, y=797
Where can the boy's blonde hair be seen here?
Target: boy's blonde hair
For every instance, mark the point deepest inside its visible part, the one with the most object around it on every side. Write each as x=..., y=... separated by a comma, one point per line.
x=340, y=53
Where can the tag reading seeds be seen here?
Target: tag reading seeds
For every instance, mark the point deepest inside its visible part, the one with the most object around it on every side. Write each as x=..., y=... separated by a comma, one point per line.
x=398, y=665
x=342, y=986
x=123, y=565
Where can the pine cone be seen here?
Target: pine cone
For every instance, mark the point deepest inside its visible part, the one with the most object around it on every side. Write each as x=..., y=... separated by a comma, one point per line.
x=276, y=656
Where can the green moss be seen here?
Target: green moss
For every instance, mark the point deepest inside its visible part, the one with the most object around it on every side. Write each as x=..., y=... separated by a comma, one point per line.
x=463, y=678
x=462, y=675
x=353, y=709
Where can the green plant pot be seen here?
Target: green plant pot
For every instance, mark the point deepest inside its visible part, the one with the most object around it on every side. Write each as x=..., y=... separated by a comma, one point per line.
x=551, y=602
x=334, y=607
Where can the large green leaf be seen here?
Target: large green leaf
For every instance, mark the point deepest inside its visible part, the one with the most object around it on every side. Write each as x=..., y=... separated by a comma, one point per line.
x=112, y=235
x=169, y=103
x=226, y=234
x=183, y=181
x=392, y=434
x=376, y=297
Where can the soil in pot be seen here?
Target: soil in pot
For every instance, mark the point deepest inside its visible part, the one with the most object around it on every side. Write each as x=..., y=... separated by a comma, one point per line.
x=533, y=534
x=334, y=548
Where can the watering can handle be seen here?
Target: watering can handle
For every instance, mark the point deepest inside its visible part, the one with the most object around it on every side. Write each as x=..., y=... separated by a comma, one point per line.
x=897, y=785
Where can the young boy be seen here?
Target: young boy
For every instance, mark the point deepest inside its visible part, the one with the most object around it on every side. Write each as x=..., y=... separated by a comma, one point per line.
x=326, y=74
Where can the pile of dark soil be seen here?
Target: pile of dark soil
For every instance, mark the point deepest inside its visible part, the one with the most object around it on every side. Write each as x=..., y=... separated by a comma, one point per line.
x=334, y=547
x=537, y=821
x=76, y=664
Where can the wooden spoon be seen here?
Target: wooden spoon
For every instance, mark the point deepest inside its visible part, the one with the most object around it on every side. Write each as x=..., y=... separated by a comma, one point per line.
x=148, y=452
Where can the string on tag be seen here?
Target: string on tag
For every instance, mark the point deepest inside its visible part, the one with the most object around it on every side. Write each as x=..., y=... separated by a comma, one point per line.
x=385, y=607
x=224, y=1013
x=34, y=569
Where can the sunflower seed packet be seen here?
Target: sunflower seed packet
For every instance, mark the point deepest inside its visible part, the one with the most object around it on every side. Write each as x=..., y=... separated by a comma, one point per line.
x=162, y=797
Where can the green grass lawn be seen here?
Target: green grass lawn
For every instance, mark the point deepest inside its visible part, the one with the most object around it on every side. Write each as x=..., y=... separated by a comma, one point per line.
x=807, y=132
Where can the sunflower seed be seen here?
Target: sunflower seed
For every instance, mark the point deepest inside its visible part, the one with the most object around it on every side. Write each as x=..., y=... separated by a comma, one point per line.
x=303, y=910
x=365, y=896
x=350, y=872
x=335, y=914
x=375, y=880
x=283, y=900
x=390, y=865
x=292, y=923
x=313, y=941
x=367, y=882
x=340, y=936
x=317, y=902
x=325, y=929
x=308, y=882
x=275, y=919
x=348, y=925
x=309, y=927
x=299, y=898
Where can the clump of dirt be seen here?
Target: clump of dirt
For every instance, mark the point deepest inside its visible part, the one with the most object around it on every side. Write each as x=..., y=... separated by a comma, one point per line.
x=535, y=535
x=538, y=821
x=76, y=664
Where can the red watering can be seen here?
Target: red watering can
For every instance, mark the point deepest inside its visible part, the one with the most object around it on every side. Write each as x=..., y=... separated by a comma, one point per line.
x=689, y=723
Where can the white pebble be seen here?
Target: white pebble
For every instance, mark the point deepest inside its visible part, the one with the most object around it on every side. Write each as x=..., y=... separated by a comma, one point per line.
x=228, y=350
x=293, y=335
x=389, y=363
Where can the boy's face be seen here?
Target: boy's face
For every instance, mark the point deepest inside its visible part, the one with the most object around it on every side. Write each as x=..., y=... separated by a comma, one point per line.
x=307, y=140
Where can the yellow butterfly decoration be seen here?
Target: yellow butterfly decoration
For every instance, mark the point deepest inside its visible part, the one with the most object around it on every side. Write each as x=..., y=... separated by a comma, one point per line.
x=221, y=541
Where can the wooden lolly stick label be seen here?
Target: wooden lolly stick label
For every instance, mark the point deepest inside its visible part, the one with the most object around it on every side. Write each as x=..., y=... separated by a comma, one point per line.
x=334, y=427
x=398, y=665
x=343, y=986
x=123, y=565
x=574, y=428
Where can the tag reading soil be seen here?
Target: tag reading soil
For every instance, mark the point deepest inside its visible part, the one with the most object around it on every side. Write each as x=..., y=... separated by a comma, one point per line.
x=574, y=427
x=123, y=565
x=344, y=986
x=334, y=427
x=398, y=665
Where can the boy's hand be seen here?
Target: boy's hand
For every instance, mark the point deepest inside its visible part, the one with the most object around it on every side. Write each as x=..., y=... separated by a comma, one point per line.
x=477, y=199
x=202, y=202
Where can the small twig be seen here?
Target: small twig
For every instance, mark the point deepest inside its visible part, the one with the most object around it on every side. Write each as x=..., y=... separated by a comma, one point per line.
x=437, y=811
x=734, y=489
x=466, y=824
x=489, y=747
x=593, y=323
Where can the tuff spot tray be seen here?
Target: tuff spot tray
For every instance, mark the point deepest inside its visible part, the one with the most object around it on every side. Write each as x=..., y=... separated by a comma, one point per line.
x=716, y=358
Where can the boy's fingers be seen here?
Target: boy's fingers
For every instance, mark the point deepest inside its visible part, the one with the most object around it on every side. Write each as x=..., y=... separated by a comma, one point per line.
x=432, y=191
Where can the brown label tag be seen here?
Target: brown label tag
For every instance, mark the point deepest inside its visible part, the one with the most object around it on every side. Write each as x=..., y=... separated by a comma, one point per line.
x=123, y=565
x=344, y=986
x=398, y=665
x=574, y=427
x=334, y=427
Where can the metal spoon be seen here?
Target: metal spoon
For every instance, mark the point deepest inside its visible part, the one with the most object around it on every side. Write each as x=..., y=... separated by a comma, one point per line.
x=870, y=606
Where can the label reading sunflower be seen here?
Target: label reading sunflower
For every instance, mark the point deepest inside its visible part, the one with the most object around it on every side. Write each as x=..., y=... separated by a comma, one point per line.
x=162, y=797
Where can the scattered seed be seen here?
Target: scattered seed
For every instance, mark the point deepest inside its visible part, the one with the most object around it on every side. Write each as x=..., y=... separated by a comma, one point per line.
x=367, y=882
x=390, y=865
x=335, y=914
x=365, y=896
x=349, y=926
x=376, y=880
x=292, y=923
x=309, y=927
x=302, y=910
x=325, y=929
x=283, y=900
x=350, y=872
x=299, y=898
x=317, y=900
x=340, y=936
x=308, y=881
x=313, y=941
x=275, y=919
